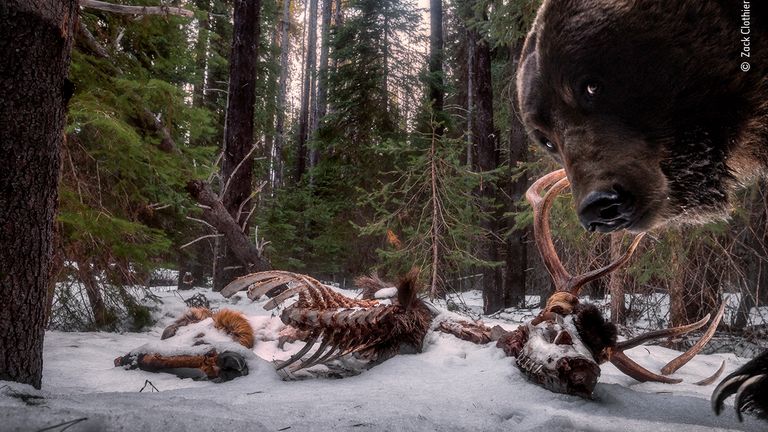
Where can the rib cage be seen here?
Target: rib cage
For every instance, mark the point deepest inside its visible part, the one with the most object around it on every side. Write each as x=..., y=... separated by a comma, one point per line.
x=341, y=325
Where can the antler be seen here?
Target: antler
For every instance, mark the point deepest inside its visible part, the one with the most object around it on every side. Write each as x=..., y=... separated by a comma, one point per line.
x=556, y=181
x=564, y=282
x=616, y=354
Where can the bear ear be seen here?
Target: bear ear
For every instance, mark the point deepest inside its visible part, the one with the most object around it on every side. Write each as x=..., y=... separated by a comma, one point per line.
x=527, y=67
x=529, y=46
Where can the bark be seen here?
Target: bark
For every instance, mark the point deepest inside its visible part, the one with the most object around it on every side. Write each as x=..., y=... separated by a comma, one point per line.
x=470, y=101
x=322, y=81
x=201, y=54
x=285, y=49
x=247, y=254
x=385, y=51
x=435, y=231
x=677, y=304
x=306, y=92
x=93, y=292
x=35, y=45
x=616, y=282
x=436, y=88
x=487, y=160
x=516, y=242
x=338, y=18
x=237, y=163
x=135, y=10
x=216, y=77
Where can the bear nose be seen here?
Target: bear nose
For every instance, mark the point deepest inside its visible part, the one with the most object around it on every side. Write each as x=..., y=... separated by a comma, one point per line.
x=605, y=211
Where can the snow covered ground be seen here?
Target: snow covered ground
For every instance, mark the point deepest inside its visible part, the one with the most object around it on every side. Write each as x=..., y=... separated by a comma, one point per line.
x=452, y=386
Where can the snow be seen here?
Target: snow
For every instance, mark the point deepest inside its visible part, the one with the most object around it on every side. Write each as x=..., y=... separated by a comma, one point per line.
x=386, y=293
x=452, y=386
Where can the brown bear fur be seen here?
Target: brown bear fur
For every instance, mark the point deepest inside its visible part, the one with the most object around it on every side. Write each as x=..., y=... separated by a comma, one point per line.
x=673, y=119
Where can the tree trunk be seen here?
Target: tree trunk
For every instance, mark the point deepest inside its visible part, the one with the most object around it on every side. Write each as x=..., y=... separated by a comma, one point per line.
x=35, y=45
x=436, y=88
x=435, y=289
x=487, y=160
x=322, y=81
x=385, y=51
x=93, y=292
x=218, y=49
x=470, y=101
x=285, y=49
x=616, y=282
x=201, y=54
x=677, y=292
x=306, y=92
x=517, y=249
x=237, y=163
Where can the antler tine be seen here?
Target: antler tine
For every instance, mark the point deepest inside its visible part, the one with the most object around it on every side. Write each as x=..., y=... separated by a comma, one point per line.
x=629, y=367
x=685, y=357
x=663, y=333
x=541, y=230
x=574, y=284
x=634, y=370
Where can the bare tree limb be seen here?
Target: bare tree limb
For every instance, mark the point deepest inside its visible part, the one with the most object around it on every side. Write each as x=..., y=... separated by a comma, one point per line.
x=202, y=222
x=218, y=216
x=136, y=10
x=198, y=239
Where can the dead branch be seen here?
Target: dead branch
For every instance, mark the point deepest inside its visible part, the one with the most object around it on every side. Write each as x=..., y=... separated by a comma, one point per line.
x=185, y=245
x=218, y=216
x=136, y=10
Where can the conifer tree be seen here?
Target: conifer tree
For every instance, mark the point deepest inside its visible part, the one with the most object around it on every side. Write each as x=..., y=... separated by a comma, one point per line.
x=35, y=41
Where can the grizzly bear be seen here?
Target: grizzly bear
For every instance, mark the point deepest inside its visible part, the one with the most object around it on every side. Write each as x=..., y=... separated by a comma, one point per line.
x=658, y=111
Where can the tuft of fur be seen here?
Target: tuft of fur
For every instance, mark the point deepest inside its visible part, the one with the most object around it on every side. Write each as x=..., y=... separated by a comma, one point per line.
x=192, y=315
x=562, y=302
x=370, y=284
x=236, y=325
x=596, y=333
x=407, y=288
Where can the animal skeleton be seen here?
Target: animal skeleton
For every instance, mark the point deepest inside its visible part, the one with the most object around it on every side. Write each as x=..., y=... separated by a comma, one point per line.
x=371, y=330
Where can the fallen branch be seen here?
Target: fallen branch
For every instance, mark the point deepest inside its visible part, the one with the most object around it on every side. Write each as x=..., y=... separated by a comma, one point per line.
x=136, y=10
x=217, y=215
x=185, y=245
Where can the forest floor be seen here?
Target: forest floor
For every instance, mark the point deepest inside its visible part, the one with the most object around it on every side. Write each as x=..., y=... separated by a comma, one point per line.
x=452, y=386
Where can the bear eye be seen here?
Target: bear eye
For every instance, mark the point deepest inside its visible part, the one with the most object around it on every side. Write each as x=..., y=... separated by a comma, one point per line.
x=546, y=143
x=592, y=88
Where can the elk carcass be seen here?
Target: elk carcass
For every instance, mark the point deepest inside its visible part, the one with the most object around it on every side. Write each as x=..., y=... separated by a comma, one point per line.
x=562, y=347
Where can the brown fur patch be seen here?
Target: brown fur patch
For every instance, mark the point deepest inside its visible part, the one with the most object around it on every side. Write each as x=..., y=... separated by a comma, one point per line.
x=191, y=316
x=236, y=325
